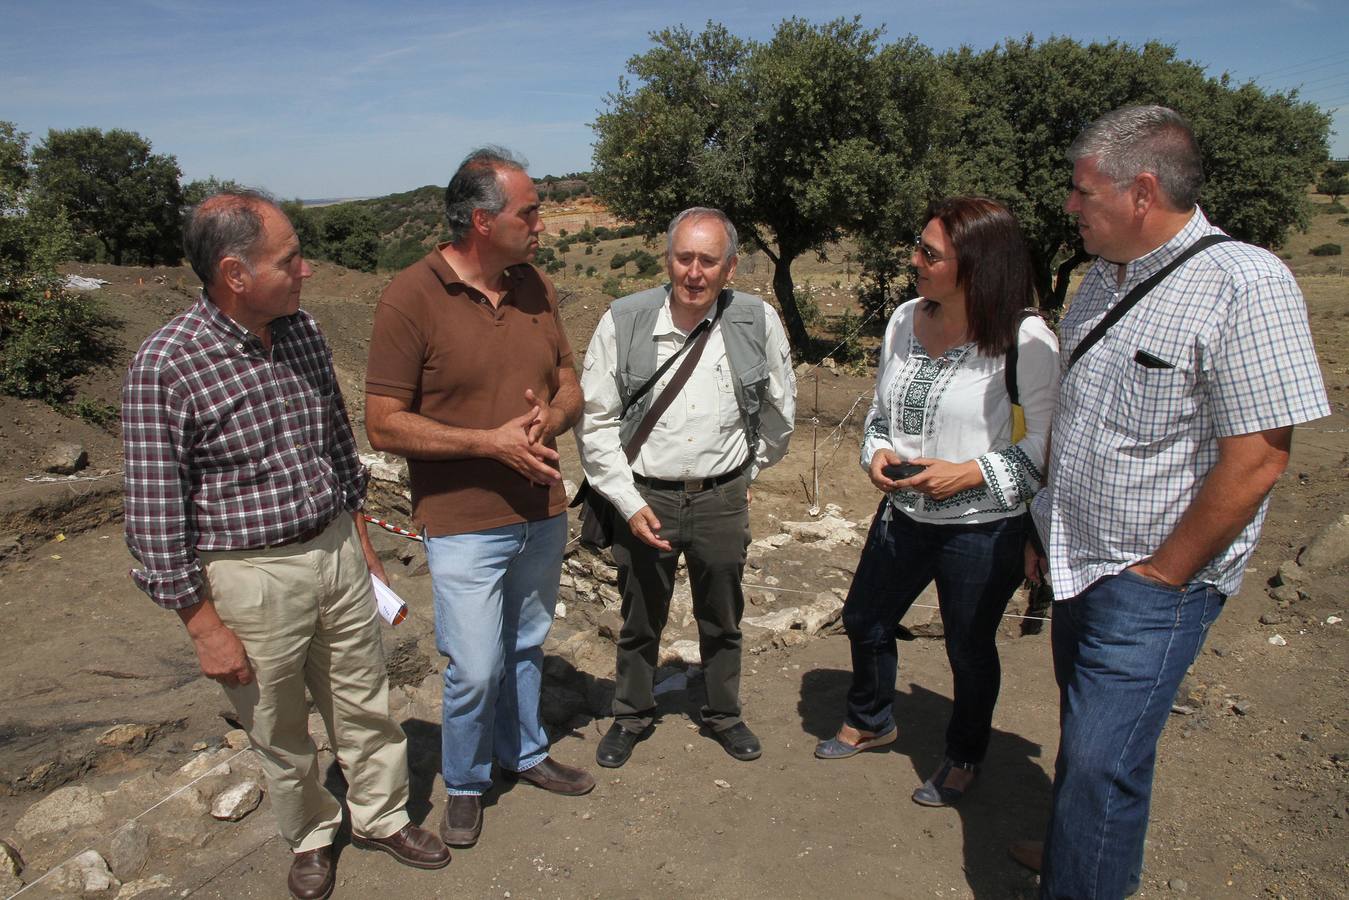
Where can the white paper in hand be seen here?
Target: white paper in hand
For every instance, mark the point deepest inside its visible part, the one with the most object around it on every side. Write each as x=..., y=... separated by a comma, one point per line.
x=391, y=606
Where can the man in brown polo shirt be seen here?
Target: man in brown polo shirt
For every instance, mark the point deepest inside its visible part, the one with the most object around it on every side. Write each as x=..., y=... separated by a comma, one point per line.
x=470, y=377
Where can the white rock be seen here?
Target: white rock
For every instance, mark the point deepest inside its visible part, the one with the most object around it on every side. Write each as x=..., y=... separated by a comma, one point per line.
x=127, y=736
x=821, y=614
x=236, y=801
x=681, y=603
x=560, y=610
x=722, y=783
x=1333, y=620
x=87, y=873
x=569, y=488
x=212, y=762
x=11, y=861
x=384, y=469
x=237, y=739
x=611, y=598
x=604, y=572
x=82, y=283
x=1278, y=640
x=778, y=621
x=63, y=809
x=773, y=541
x=144, y=886
x=686, y=652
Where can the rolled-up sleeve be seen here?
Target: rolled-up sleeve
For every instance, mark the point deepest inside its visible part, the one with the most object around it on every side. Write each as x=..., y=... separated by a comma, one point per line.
x=156, y=435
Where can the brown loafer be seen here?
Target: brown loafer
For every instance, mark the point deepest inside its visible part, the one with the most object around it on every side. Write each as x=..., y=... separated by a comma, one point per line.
x=553, y=776
x=312, y=874
x=462, y=823
x=411, y=846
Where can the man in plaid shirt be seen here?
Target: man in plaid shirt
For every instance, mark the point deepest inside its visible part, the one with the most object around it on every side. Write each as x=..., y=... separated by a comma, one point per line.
x=243, y=497
x=1170, y=432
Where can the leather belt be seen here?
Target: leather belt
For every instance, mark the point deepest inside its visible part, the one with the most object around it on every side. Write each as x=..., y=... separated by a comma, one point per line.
x=689, y=486
x=303, y=537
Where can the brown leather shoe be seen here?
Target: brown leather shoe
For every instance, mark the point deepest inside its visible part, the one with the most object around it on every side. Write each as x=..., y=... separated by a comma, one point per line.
x=312, y=874
x=1029, y=853
x=411, y=846
x=552, y=775
x=462, y=823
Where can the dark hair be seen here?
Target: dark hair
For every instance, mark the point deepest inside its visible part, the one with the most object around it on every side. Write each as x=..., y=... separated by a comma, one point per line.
x=993, y=266
x=1136, y=139
x=475, y=186
x=225, y=224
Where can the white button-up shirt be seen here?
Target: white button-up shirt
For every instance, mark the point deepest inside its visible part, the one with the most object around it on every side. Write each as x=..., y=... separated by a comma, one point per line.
x=1220, y=348
x=701, y=435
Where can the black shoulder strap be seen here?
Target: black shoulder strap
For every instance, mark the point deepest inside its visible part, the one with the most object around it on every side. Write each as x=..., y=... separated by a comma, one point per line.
x=1013, y=352
x=1139, y=292
x=705, y=325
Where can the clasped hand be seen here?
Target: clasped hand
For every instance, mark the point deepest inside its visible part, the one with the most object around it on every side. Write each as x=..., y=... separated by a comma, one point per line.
x=939, y=480
x=521, y=443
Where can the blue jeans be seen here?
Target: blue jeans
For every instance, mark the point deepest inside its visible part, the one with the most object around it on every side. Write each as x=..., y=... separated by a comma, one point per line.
x=976, y=567
x=495, y=593
x=1121, y=649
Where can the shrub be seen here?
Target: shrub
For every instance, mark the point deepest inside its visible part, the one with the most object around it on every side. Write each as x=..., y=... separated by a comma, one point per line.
x=1325, y=250
x=612, y=286
x=1333, y=207
x=96, y=412
x=590, y=271
x=49, y=336
x=1344, y=221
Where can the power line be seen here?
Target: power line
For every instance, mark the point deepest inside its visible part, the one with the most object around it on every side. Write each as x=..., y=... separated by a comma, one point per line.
x=1307, y=63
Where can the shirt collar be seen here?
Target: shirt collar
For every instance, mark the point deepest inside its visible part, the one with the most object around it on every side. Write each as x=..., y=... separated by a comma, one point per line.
x=448, y=277
x=1149, y=263
x=664, y=324
x=235, y=333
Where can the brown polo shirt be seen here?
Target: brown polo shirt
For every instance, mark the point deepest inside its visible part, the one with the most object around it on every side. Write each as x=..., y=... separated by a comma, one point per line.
x=439, y=344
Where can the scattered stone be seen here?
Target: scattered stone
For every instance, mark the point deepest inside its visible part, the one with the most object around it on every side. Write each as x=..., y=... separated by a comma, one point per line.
x=212, y=761
x=87, y=873
x=11, y=861
x=156, y=886
x=237, y=739
x=131, y=736
x=779, y=621
x=1333, y=620
x=722, y=783
x=382, y=468
x=129, y=851
x=773, y=541
x=1329, y=548
x=1241, y=707
x=611, y=598
x=63, y=809
x=199, y=746
x=1179, y=885
x=65, y=459
x=825, y=611
x=237, y=801
x=1291, y=573
x=604, y=572
x=1278, y=640
x=827, y=528
x=1273, y=618
x=1285, y=594
x=687, y=652
x=560, y=610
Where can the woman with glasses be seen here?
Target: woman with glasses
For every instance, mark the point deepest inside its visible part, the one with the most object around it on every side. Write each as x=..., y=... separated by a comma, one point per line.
x=938, y=443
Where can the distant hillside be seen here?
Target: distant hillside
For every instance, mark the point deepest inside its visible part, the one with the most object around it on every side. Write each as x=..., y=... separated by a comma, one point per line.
x=407, y=224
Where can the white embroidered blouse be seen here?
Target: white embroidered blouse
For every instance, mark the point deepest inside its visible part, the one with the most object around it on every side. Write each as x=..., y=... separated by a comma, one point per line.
x=956, y=408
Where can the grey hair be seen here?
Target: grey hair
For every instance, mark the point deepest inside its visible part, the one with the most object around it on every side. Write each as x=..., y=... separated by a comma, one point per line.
x=1136, y=139
x=228, y=223
x=475, y=186
x=703, y=212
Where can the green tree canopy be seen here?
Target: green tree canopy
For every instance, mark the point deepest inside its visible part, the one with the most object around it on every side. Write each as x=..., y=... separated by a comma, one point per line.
x=818, y=132
x=1334, y=181
x=115, y=191
x=196, y=191
x=349, y=236
x=1030, y=100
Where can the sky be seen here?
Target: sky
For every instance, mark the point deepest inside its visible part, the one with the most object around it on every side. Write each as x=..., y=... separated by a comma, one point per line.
x=352, y=99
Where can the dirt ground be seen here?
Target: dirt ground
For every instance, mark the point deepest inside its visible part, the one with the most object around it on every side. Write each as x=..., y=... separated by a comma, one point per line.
x=1252, y=790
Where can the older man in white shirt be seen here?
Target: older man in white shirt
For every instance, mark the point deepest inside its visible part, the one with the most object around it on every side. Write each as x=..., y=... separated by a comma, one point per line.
x=686, y=488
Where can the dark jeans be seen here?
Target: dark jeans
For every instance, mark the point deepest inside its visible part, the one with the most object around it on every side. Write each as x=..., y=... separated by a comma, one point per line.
x=711, y=529
x=977, y=567
x=1121, y=648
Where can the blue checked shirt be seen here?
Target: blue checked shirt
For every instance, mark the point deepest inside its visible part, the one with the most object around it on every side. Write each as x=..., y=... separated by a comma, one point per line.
x=1220, y=348
x=229, y=447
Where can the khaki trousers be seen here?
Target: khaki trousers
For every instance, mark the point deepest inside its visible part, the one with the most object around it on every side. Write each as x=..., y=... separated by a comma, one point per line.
x=307, y=619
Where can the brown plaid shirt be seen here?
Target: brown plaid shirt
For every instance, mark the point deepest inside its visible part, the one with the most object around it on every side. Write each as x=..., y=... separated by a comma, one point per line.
x=230, y=448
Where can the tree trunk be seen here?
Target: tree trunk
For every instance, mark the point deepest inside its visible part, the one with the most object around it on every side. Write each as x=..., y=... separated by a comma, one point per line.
x=1056, y=298
x=786, y=294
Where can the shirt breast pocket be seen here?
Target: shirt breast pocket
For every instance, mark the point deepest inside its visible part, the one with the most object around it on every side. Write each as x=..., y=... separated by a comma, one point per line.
x=1153, y=395
x=316, y=425
x=728, y=409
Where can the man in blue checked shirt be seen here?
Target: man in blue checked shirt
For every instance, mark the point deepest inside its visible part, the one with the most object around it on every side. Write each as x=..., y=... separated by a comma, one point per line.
x=1174, y=422
x=243, y=498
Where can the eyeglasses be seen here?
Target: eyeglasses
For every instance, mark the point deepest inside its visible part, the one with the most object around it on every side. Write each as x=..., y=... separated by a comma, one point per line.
x=928, y=253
